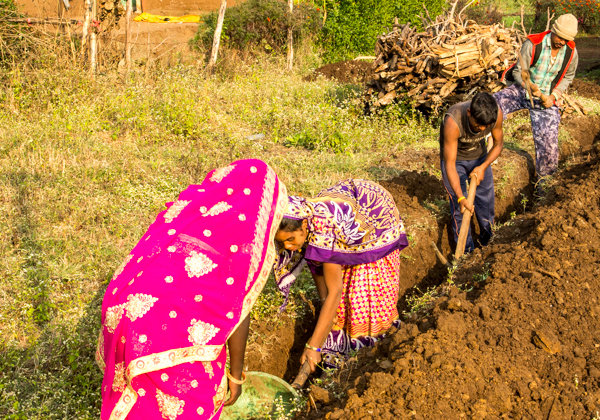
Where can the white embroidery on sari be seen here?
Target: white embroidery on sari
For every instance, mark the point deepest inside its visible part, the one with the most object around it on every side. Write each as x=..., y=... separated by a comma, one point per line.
x=220, y=207
x=198, y=264
x=175, y=209
x=113, y=317
x=221, y=173
x=120, y=269
x=261, y=225
x=201, y=332
x=119, y=381
x=169, y=405
x=208, y=369
x=138, y=305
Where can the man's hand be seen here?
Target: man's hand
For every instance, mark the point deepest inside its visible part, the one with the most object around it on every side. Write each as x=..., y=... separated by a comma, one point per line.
x=313, y=357
x=479, y=173
x=236, y=391
x=547, y=101
x=535, y=90
x=465, y=206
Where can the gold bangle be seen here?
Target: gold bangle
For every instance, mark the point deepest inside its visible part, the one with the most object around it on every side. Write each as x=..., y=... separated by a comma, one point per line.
x=461, y=198
x=236, y=381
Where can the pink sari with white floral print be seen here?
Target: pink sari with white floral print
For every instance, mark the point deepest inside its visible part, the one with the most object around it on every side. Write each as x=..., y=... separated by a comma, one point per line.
x=183, y=290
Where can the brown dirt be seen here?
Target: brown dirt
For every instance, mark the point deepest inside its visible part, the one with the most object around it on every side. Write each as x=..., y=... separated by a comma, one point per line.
x=275, y=346
x=521, y=337
x=586, y=89
x=587, y=48
x=349, y=71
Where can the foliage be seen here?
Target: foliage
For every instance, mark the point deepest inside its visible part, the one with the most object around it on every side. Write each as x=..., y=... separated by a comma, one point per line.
x=259, y=22
x=352, y=26
x=484, y=12
x=85, y=166
x=587, y=13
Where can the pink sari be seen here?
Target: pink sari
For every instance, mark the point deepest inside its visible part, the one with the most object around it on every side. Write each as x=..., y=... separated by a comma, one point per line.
x=183, y=290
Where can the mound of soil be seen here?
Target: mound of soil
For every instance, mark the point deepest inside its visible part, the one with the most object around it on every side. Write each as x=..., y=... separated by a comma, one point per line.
x=356, y=72
x=586, y=89
x=519, y=338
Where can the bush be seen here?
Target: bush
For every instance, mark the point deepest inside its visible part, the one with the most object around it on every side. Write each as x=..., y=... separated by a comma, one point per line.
x=352, y=26
x=259, y=22
x=484, y=12
x=587, y=13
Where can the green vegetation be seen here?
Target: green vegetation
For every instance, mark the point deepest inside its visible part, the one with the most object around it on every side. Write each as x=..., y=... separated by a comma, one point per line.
x=85, y=166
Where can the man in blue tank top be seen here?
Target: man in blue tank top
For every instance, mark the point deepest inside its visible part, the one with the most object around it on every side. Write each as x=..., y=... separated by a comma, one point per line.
x=464, y=151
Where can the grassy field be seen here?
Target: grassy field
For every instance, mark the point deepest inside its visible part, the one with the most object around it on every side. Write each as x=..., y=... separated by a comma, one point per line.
x=85, y=166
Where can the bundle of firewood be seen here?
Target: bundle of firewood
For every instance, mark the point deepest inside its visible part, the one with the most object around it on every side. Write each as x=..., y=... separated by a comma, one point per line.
x=450, y=61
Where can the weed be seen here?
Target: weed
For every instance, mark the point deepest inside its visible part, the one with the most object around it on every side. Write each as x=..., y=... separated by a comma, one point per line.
x=438, y=207
x=483, y=276
x=420, y=301
x=524, y=201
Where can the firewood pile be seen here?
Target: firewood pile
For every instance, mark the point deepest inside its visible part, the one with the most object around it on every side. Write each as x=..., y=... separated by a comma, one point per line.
x=109, y=13
x=572, y=107
x=449, y=62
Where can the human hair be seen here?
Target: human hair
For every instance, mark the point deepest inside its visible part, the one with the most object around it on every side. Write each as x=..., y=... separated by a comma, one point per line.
x=484, y=108
x=290, y=225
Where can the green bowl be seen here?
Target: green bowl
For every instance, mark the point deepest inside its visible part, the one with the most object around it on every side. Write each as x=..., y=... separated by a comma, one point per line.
x=261, y=394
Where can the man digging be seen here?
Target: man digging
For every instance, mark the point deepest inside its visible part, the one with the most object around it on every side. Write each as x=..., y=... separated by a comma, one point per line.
x=464, y=151
x=550, y=60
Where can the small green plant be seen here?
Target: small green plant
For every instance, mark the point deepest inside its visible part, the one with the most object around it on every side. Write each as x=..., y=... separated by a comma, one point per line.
x=450, y=275
x=420, y=301
x=484, y=275
x=286, y=410
x=597, y=416
x=524, y=201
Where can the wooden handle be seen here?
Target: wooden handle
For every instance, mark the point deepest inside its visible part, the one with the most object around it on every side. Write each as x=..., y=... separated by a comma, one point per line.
x=466, y=220
x=302, y=376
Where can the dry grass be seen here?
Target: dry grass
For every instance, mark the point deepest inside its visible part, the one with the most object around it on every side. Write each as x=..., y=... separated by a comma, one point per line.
x=86, y=165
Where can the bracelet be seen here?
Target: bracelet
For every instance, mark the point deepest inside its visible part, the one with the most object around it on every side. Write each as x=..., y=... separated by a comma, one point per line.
x=236, y=381
x=317, y=349
x=461, y=198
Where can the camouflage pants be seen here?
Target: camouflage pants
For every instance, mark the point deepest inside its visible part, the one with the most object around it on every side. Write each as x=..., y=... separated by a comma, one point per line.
x=544, y=125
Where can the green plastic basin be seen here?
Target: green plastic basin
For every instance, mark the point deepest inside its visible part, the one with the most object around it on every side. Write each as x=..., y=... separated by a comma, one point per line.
x=262, y=395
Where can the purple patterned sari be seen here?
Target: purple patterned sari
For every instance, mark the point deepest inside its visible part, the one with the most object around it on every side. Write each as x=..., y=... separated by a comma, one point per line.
x=183, y=290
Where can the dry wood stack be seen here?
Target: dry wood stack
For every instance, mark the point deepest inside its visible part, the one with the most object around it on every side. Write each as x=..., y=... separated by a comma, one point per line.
x=109, y=13
x=450, y=61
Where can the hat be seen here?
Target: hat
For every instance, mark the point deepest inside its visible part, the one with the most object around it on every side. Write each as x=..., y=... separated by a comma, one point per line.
x=565, y=27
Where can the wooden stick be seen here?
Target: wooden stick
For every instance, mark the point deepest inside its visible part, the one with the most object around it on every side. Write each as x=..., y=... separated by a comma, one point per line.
x=128, y=23
x=440, y=256
x=93, y=42
x=87, y=12
x=290, y=37
x=304, y=372
x=217, y=38
x=466, y=220
x=549, y=19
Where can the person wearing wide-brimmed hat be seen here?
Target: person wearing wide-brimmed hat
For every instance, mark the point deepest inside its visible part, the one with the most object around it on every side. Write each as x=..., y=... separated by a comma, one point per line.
x=551, y=58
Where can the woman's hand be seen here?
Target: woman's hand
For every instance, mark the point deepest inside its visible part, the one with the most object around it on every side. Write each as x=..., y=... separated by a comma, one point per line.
x=235, y=390
x=313, y=357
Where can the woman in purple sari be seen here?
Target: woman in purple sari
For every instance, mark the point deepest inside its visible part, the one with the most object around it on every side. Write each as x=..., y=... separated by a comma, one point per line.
x=183, y=295
x=351, y=235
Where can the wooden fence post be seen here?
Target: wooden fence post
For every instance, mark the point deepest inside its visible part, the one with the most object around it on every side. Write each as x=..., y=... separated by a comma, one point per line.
x=86, y=25
x=93, y=41
x=290, y=37
x=128, y=13
x=217, y=37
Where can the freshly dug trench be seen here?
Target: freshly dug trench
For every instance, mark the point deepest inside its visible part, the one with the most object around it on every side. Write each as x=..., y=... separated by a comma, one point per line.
x=276, y=345
x=522, y=343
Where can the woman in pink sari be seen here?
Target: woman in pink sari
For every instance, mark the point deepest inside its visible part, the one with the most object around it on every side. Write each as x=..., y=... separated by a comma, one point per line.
x=184, y=292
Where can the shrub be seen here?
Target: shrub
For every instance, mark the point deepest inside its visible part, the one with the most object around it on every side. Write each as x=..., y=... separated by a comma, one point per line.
x=587, y=13
x=259, y=22
x=352, y=26
x=484, y=12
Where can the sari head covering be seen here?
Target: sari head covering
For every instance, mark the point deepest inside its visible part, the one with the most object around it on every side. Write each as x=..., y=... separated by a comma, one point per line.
x=183, y=290
x=354, y=222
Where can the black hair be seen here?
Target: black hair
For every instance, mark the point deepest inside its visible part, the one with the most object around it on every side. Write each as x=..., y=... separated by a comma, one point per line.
x=290, y=225
x=484, y=108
